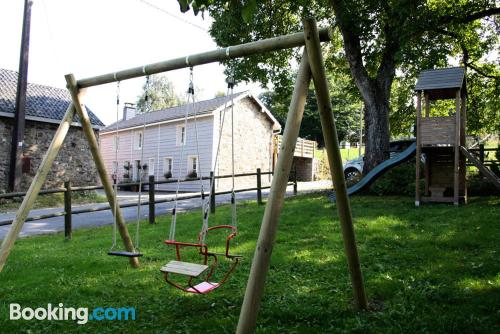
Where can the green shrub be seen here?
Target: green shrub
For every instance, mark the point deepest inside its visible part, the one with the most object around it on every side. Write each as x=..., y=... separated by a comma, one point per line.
x=477, y=185
x=397, y=181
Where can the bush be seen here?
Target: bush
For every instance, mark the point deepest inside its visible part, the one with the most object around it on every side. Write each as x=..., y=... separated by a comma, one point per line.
x=397, y=181
x=479, y=186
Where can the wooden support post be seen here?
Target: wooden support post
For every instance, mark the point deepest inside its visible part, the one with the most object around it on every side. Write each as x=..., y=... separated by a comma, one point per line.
x=151, y=191
x=463, y=132
x=418, y=150
x=212, y=198
x=259, y=187
x=481, y=153
x=67, y=211
x=334, y=159
x=427, y=105
x=36, y=185
x=427, y=167
x=218, y=55
x=295, y=180
x=101, y=169
x=456, y=160
x=427, y=173
x=269, y=226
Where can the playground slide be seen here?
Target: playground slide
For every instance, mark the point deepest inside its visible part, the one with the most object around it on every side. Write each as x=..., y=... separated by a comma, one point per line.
x=486, y=172
x=380, y=170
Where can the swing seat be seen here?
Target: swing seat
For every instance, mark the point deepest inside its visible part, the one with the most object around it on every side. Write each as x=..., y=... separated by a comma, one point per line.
x=124, y=254
x=184, y=268
x=192, y=270
x=203, y=287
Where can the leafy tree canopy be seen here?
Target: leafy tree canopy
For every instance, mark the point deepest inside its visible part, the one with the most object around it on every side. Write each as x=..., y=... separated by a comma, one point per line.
x=161, y=94
x=384, y=44
x=421, y=34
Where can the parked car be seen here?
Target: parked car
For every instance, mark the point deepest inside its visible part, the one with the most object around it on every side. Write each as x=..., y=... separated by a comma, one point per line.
x=353, y=169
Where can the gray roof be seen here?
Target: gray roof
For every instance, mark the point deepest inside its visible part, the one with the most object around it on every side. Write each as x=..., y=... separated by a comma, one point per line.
x=444, y=78
x=43, y=103
x=200, y=107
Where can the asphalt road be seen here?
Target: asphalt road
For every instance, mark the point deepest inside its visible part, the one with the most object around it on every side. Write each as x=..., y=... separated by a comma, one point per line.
x=100, y=218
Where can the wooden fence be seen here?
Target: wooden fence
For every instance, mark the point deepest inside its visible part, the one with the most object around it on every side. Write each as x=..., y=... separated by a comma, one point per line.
x=151, y=201
x=482, y=153
x=303, y=148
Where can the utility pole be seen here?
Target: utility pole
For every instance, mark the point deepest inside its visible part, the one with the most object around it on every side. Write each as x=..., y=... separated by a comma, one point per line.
x=16, y=150
x=360, y=130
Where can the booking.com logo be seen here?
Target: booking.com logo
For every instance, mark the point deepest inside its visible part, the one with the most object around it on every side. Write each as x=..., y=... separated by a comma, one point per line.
x=81, y=314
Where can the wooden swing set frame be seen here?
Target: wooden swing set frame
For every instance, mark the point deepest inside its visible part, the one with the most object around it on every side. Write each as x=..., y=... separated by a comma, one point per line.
x=311, y=66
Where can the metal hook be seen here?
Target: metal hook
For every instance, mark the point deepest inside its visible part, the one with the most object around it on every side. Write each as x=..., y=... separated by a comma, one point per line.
x=191, y=84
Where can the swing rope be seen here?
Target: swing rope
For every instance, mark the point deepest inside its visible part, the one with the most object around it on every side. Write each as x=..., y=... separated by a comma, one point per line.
x=205, y=201
x=230, y=91
x=182, y=143
x=134, y=253
x=115, y=185
x=141, y=164
x=233, y=194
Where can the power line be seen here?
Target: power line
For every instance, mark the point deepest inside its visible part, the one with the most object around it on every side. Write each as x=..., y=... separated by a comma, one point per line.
x=173, y=15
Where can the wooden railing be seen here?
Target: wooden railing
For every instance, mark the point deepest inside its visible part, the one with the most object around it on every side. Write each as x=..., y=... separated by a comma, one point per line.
x=151, y=201
x=304, y=148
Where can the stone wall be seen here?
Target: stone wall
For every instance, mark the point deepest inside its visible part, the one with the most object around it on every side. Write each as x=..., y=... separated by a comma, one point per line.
x=304, y=168
x=253, y=145
x=74, y=161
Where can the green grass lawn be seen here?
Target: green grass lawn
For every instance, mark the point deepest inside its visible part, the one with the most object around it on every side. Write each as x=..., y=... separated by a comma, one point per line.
x=54, y=200
x=431, y=269
x=347, y=154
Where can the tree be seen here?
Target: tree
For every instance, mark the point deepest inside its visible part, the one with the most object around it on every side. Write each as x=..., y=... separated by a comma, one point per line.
x=345, y=101
x=161, y=94
x=379, y=39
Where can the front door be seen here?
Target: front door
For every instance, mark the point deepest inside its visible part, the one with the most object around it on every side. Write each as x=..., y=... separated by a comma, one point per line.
x=137, y=170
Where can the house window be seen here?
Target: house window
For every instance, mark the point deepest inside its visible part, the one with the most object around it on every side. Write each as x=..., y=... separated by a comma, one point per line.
x=114, y=170
x=181, y=135
x=151, y=166
x=128, y=170
x=139, y=139
x=168, y=164
x=116, y=143
x=192, y=166
x=137, y=170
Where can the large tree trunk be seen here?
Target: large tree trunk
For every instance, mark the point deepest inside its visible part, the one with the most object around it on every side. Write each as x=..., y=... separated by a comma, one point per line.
x=376, y=91
x=376, y=132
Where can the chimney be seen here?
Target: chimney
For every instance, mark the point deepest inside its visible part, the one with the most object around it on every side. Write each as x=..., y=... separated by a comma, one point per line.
x=128, y=111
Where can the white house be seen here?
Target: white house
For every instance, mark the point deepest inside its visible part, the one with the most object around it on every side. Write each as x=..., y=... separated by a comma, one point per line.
x=170, y=149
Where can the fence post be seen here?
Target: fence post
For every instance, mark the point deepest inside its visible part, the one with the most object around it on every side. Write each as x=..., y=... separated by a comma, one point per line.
x=212, y=198
x=152, y=199
x=295, y=180
x=259, y=187
x=67, y=211
x=481, y=153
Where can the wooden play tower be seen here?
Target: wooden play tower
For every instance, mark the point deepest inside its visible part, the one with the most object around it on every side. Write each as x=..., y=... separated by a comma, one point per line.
x=441, y=138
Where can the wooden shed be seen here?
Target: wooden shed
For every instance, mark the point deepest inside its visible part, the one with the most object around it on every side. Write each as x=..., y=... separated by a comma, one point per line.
x=440, y=138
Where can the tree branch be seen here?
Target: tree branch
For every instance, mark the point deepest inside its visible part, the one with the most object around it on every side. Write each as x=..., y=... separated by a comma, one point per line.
x=481, y=72
x=469, y=17
x=352, y=47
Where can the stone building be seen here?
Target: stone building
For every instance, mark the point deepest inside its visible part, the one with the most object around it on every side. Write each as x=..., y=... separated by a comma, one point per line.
x=170, y=149
x=45, y=108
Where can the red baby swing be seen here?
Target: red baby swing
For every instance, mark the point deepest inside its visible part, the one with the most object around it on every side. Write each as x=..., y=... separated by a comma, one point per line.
x=200, y=276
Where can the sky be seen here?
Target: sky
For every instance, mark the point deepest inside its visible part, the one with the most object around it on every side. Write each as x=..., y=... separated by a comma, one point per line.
x=94, y=37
